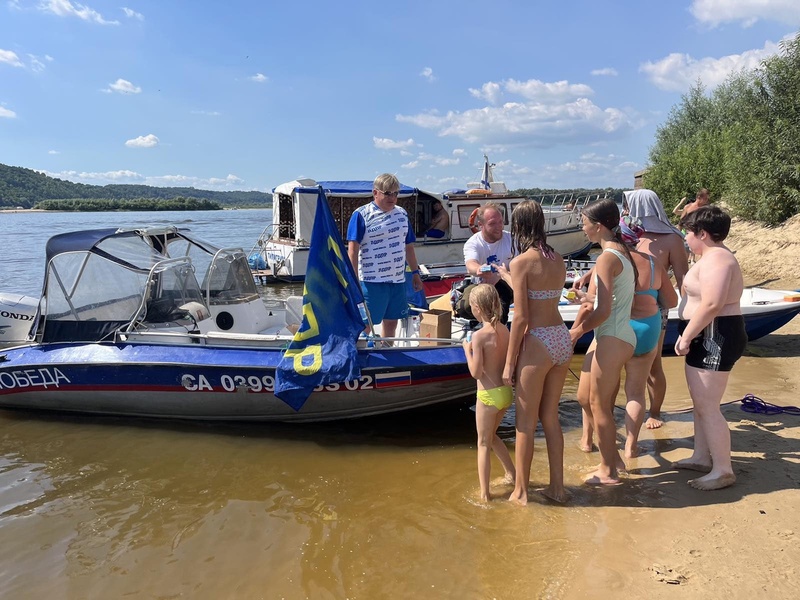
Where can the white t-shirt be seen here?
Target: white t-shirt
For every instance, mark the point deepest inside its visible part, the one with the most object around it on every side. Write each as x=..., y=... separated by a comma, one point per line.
x=500, y=252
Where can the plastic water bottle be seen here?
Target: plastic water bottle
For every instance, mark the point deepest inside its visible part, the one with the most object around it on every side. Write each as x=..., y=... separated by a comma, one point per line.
x=469, y=336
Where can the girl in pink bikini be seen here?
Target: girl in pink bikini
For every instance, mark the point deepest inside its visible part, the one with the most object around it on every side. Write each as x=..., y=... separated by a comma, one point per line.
x=540, y=347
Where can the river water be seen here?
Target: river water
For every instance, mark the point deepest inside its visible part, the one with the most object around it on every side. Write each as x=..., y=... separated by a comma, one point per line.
x=371, y=508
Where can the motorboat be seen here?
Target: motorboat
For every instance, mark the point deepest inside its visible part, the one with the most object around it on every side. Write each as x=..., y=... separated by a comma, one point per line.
x=155, y=322
x=281, y=251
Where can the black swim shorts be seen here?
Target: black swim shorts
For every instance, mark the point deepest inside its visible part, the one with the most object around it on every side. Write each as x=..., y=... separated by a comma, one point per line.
x=719, y=345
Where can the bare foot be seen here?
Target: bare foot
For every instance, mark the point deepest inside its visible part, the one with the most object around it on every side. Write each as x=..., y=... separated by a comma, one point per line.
x=587, y=447
x=486, y=497
x=559, y=495
x=518, y=498
x=713, y=482
x=633, y=452
x=691, y=465
x=598, y=478
x=654, y=422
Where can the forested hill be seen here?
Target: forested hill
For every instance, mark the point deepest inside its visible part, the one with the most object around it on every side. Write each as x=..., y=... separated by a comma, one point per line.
x=25, y=187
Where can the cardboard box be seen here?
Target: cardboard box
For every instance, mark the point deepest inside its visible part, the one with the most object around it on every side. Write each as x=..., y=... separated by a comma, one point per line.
x=434, y=323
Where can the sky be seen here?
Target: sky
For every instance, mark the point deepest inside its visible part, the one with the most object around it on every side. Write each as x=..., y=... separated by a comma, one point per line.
x=245, y=95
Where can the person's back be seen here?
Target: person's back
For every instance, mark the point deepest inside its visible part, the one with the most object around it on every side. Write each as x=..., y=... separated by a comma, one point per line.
x=668, y=250
x=494, y=341
x=544, y=280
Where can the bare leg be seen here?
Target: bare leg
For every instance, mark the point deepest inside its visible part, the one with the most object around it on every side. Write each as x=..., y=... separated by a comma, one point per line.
x=388, y=328
x=656, y=387
x=485, y=419
x=501, y=451
x=636, y=373
x=532, y=367
x=706, y=389
x=553, y=435
x=611, y=355
x=584, y=390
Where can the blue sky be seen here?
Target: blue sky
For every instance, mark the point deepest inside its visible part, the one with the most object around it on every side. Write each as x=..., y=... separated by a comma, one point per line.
x=245, y=95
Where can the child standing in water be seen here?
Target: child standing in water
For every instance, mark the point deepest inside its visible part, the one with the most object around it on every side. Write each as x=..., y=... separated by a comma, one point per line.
x=486, y=354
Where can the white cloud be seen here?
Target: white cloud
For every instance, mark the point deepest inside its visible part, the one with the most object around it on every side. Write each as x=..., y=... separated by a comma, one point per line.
x=590, y=170
x=714, y=12
x=410, y=165
x=65, y=8
x=427, y=73
x=10, y=58
x=539, y=91
x=678, y=72
x=259, y=78
x=132, y=14
x=490, y=92
x=529, y=124
x=53, y=152
x=605, y=72
x=229, y=180
x=207, y=113
x=123, y=86
x=6, y=113
x=143, y=141
x=36, y=65
x=532, y=89
x=459, y=152
x=127, y=176
x=440, y=161
x=389, y=144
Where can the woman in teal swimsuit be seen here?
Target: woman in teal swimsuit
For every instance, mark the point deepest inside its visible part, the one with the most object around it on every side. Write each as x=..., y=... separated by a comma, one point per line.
x=614, y=339
x=654, y=291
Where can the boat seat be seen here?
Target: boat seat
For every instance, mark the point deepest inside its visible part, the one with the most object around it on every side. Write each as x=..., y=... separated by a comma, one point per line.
x=294, y=310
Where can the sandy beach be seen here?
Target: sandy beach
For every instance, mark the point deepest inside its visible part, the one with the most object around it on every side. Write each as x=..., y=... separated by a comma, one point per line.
x=741, y=542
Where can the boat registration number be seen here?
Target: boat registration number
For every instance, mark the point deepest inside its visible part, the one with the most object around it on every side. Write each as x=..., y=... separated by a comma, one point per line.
x=266, y=383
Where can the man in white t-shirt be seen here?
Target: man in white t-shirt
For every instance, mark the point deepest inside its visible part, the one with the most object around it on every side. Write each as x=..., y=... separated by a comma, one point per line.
x=489, y=247
x=380, y=243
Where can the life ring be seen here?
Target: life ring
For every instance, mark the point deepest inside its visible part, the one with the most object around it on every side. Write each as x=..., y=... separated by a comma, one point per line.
x=473, y=219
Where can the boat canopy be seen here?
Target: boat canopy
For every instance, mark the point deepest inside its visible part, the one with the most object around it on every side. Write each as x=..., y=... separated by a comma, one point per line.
x=99, y=281
x=295, y=204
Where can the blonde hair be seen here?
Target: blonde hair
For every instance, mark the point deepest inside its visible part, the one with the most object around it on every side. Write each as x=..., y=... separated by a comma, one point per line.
x=386, y=183
x=486, y=298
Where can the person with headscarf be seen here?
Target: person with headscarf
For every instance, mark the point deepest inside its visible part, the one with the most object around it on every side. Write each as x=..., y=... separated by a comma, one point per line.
x=664, y=242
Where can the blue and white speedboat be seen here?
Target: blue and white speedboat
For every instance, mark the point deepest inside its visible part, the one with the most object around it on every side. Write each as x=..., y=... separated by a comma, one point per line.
x=157, y=323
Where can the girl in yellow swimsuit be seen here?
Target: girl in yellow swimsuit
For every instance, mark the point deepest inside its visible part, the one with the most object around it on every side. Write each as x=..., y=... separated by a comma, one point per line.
x=486, y=353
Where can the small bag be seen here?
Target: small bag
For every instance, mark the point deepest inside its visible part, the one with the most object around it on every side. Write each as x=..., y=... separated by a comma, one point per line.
x=459, y=298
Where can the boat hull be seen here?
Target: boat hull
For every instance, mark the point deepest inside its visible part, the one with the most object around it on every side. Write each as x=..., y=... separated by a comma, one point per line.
x=209, y=383
x=764, y=311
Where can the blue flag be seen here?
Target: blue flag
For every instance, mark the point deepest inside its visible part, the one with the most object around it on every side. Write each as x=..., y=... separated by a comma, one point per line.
x=324, y=348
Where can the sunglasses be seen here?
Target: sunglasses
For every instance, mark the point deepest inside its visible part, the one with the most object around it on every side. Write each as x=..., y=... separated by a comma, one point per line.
x=390, y=194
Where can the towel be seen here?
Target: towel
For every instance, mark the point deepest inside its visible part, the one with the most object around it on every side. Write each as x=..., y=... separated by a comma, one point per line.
x=646, y=206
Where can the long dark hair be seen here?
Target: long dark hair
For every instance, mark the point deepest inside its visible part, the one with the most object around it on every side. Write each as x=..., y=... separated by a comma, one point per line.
x=527, y=228
x=606, y=213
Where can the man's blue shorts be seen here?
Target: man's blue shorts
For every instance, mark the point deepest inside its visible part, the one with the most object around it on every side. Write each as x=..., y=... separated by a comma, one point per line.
x=385, y=300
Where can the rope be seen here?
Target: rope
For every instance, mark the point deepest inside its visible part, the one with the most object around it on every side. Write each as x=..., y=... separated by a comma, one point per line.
x=754, y=404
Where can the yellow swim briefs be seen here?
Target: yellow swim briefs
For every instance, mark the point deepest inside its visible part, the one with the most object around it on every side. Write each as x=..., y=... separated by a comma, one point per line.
x=500, y=397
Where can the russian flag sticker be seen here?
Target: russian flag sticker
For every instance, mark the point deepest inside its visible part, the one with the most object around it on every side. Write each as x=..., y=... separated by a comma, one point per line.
x=384, y=380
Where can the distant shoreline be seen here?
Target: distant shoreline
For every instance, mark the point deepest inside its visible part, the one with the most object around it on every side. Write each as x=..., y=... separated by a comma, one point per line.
x=41, y=210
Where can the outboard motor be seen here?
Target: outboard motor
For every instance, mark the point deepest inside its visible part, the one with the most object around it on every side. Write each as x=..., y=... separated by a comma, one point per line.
x=17, y=314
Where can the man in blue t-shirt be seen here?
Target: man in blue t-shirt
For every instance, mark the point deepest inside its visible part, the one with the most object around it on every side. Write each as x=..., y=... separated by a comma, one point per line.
x=380, y=240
